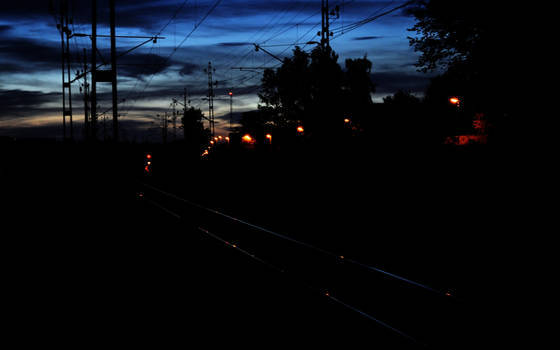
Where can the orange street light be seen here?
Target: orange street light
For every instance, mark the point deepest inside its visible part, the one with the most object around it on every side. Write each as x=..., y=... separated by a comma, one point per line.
x=247, y=138
x=300, y=129
x=347, y=120
x=454, y=100
x=269, y=138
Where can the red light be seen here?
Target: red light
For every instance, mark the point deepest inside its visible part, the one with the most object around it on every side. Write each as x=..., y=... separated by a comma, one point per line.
x=149, y=156
x=230, y=93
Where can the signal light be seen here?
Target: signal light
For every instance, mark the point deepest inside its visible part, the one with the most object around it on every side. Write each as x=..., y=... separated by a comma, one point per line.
x=148, y=163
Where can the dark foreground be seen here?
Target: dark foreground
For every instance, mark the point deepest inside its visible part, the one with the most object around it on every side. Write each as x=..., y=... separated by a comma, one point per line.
x=93, y=256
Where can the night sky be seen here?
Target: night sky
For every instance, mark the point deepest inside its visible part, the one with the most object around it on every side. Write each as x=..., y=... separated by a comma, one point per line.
x=152, y=75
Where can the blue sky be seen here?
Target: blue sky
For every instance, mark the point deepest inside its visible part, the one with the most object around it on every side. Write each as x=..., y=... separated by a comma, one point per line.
x=151, y=76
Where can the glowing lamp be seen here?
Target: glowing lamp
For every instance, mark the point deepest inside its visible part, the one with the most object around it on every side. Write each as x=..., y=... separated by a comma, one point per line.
x=300, y=129
x=454, y=100
x=247, y=138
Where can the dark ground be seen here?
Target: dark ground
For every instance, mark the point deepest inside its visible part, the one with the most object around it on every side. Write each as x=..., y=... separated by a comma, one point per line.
x=89, y=261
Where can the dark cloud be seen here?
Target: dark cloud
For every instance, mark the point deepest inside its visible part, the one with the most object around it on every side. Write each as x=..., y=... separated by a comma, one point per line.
x=188, y=69
x=29, y=8
x=139, y=65
x=24, y=103
x=233, y=44
x=373, y=37
x=29, y=54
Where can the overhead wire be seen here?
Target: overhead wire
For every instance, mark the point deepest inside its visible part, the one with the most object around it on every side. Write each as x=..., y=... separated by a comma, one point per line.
x=174, y=50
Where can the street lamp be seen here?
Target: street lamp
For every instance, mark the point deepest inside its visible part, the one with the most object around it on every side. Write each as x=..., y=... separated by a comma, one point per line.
x=230, y=110
x=455, y=101
x=247, y=138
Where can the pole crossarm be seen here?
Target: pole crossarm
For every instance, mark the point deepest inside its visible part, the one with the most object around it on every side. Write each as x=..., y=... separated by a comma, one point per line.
x=258, y=47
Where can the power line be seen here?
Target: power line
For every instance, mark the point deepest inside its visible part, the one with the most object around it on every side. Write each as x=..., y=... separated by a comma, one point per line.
x=345, y=29
x=166, y=60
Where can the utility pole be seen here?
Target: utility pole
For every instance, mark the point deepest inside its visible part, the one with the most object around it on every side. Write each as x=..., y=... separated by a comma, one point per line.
x=174, y=120
x=211, y=84
x=325, y=32
x=164, y=129
x=93, y=96
x=86, y=100
x=65, y=34
x=114, y=71
x=185, y=101
x=230, y=111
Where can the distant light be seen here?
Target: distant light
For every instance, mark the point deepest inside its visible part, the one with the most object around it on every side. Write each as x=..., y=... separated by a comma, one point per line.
x=454, y=100
x=300, y=129
x=211, y=142
x=220, y=137
x=149, y=156
x=227, y=138
x=230, y=93
x=347, y=120
x=147, y=168
x=247, y=138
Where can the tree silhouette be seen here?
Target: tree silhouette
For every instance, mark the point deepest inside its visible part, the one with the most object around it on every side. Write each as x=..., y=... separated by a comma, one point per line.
x=358, y=89
x=311, y=89
x=471, y=43
x=195, y=135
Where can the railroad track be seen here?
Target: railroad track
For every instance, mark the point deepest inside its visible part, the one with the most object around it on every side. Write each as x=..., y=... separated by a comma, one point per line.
x=422, y=316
